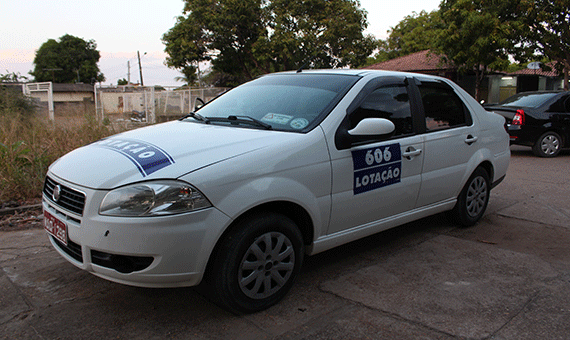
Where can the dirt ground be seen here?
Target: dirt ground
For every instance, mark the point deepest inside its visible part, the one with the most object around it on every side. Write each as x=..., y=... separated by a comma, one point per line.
x=508, y=277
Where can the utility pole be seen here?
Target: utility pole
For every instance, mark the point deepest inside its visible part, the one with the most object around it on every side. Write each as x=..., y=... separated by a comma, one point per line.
x=199, y=75
x=128, y=72
x=140, y=68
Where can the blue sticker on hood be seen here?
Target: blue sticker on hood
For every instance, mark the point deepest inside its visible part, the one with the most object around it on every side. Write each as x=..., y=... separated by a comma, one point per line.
x=147, y=158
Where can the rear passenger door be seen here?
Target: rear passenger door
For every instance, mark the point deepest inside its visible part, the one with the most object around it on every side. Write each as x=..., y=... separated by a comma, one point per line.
x=560, y=114
x=451, y=139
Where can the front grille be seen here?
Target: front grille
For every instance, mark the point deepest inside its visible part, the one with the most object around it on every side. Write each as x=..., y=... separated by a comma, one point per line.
x=72, y=249
x=69, y=199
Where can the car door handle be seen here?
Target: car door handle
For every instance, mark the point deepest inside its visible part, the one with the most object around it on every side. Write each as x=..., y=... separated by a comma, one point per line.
x=411, y=152
x=470, y=139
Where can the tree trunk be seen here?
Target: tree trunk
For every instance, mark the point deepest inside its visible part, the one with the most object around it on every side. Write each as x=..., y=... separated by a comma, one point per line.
x=479, y=75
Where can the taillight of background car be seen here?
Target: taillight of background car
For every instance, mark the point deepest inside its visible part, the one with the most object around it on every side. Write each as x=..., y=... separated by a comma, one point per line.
x=518, y=119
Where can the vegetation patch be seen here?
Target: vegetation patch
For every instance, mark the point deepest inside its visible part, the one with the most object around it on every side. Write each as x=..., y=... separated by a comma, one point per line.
x=29, y=143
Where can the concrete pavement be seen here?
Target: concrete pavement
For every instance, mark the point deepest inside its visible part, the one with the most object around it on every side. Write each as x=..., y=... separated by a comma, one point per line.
x=508, y=277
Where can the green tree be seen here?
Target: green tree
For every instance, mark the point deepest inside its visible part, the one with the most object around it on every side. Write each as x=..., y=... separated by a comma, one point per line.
x=548, y=31
x=69, y=60
x=190, y=75
x=479, y=35
x=122, y=82
x=321, y=33
x=246, y=38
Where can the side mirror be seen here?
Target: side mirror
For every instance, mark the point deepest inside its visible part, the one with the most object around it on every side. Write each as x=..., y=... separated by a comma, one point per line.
x=198, y=104
x=368, y=129
x=372, y=128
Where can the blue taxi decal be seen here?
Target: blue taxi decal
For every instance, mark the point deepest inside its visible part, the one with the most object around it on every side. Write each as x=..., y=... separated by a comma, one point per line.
x=147, y=157
x=376, y=167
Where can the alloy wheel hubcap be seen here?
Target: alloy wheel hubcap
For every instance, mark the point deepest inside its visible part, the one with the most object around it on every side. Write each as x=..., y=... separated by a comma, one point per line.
x=476, y=196
x=266, y=266
x=550, y=144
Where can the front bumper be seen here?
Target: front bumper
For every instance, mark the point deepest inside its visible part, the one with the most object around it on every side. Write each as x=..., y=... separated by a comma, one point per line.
x=166, y=251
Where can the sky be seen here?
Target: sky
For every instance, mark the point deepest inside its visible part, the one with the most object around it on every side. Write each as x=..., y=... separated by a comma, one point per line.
x=120, y=28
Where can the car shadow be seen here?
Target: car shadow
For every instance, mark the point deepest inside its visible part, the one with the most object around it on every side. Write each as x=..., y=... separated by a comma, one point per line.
x=382, y=244
x=526, y=151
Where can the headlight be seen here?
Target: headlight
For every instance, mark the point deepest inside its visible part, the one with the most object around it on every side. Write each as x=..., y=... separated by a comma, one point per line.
x=153, y=199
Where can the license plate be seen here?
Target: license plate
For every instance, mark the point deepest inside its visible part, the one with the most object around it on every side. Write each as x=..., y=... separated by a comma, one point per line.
x=55, y=227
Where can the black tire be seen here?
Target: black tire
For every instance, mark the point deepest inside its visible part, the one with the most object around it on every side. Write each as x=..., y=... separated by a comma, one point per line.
x=548, y=145
x=256, y=263
x=473, y=199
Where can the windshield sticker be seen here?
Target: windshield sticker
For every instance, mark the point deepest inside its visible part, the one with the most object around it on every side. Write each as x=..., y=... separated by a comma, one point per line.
x=146, y=157
x=377, y=167
x=276, y=118
x=299, y=123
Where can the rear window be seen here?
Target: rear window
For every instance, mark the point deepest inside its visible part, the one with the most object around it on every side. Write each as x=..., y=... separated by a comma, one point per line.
x=528, y=100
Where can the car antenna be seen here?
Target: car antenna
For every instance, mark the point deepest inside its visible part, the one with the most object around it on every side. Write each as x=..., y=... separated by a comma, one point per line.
x=302, y=67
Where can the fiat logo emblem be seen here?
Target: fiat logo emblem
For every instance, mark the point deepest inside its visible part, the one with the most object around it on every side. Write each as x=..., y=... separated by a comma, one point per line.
x=56, y=193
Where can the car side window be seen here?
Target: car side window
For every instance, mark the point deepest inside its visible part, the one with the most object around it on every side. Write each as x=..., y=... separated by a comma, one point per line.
x=390, y=102
x=561, y=105
x=443, y=108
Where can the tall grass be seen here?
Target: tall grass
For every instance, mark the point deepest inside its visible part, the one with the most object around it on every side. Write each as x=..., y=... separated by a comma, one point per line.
x=29, y=143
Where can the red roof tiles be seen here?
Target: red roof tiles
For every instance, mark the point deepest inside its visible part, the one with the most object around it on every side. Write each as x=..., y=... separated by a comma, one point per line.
x=528, y=72
x=419, y=61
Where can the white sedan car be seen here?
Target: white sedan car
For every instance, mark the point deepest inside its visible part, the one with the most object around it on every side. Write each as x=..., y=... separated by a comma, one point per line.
x=287, y=165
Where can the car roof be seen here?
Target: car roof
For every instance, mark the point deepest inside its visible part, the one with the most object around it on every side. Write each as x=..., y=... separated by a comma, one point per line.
x=362, y=73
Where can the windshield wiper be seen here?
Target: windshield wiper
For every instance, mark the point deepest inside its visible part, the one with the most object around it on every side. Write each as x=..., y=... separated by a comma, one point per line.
x=196, y=116
x=240, y=119
x=253, y=120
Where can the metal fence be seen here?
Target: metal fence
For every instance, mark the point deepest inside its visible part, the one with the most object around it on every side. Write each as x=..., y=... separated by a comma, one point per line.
x=148, y=104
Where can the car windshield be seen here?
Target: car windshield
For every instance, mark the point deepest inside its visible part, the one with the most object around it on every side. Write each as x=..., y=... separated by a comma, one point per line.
x=528, y=99
x=287, y=101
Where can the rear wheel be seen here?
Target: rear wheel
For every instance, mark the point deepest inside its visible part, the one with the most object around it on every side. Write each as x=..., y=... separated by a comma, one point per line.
x=548, y=145
x=473, y=199
x=257, y=263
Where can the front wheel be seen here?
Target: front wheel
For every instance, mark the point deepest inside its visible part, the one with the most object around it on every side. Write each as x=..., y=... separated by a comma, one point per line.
x=256, y=263
x=473, y=199
x=548, y=145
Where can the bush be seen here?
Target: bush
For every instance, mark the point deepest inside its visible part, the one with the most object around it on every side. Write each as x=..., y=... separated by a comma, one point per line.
x=14, y=103
x=29, y=144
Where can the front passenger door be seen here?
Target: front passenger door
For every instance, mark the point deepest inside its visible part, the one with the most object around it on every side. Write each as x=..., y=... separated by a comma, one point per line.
x=374, y=180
